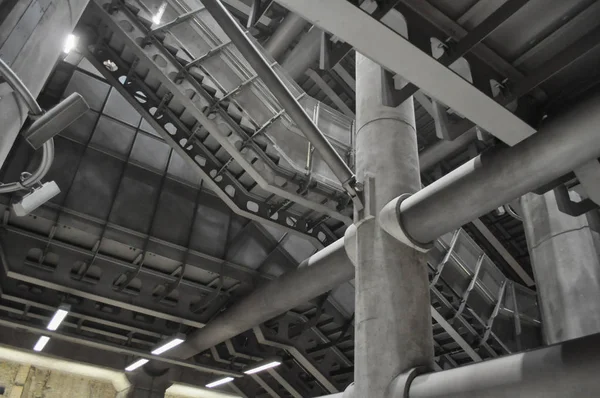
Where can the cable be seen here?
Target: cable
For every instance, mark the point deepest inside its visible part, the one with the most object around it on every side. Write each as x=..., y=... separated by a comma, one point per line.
x=35, y=111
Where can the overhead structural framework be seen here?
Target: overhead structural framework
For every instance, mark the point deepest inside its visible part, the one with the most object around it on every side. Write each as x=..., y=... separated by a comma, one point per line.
x=283, y=95
x=399, y=55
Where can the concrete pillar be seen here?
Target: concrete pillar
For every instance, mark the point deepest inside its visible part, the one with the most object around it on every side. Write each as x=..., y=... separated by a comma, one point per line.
x=564, y=256
x=393, y=319
x=145, y=386
x=284, y=36
x=304, y=54
x=38, y=31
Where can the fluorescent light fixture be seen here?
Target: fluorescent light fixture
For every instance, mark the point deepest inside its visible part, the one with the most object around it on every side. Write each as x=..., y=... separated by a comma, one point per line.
x=70, y=43
x=219, y=382
x=263, y=365
x=41, y=343
x=59, y=316
x=136, y=364
x=158, y=16
x=167, y=345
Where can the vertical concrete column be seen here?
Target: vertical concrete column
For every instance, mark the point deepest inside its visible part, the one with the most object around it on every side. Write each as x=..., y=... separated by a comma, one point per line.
x=564, y=256
x=393, y=319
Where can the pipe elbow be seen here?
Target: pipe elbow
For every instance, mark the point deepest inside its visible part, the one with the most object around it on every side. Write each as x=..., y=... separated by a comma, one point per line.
x=391, y=222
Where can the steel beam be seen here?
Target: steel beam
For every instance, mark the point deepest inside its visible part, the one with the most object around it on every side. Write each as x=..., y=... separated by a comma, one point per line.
x=393, y=51
x=287, y=100
x=498, y=176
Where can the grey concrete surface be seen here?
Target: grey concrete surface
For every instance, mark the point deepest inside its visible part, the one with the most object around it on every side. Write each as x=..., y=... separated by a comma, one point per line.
x=566, y=267
x=393, y=319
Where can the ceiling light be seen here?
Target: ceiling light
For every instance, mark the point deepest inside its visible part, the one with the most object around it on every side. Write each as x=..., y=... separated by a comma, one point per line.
x=263, y=365
x=219, y=382
x=70, y=43
x=41, y=343
x=158, y=16
x=59, y=316
x=170, y=343
x=136, y=364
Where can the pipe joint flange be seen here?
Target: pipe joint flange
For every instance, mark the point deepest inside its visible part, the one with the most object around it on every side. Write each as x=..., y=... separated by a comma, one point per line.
x=401, y=383
x=391, y=222
x=349, y=391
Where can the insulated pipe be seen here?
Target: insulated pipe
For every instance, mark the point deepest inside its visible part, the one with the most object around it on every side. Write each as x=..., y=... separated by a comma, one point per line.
x=444, y=148
x=283, y=95
x=321, y=272
x=496, y=177
x=569, y=369
x=304, y=55
x=284, y=36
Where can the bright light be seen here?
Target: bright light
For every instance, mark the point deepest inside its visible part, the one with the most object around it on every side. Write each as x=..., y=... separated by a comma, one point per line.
x=219, y=382
x=41, y=343
x=262, y=367
x=136, y=364
x=161, y=10
x=58, y=317
x=167, y=346
x=70, y=43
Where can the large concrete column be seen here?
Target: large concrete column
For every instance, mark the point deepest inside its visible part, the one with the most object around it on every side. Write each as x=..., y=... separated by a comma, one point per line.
x=306, y=53
x=566, y=267
x=393, y=319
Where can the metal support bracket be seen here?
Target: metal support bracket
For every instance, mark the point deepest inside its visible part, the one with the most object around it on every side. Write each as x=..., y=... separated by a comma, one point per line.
x=390, y=221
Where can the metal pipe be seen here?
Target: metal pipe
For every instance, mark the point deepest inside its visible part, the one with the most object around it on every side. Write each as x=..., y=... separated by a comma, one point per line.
x=444, y=148
x=496, y=177
x=321, y=272
x=569, y=369
x=304, y=54
x=35, y=110
x=283, y=95
x=284, y=36
x=19, y=87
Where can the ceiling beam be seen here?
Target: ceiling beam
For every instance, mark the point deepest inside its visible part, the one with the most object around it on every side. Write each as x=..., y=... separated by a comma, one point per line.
x=399, y=55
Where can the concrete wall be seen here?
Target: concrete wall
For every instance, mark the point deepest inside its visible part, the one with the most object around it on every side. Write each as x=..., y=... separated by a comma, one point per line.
x=23, y=380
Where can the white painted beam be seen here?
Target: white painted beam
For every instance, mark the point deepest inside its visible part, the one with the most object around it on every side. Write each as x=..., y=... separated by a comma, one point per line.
x=380, y=43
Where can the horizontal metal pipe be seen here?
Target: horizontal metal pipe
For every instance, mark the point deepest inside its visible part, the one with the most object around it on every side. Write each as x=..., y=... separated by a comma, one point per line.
x=568, y=369
x=282, y=93
x=500, y=175
x=321, y=272
x=304, y=54
x=443, y=149
x=284, y=36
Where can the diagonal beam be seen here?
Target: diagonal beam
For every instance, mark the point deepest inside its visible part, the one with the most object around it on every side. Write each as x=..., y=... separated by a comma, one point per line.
x=472, y=39
x=399, y=55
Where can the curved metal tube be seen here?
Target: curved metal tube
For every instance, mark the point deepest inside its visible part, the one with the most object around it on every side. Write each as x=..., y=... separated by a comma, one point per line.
x=35, y=110
x=512, y=212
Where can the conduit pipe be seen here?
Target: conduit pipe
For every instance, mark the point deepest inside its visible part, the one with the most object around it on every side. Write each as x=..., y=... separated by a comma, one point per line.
x=496, y=177
x=284, y=96
x=321, y=272
x=569, y=369
x=36, y=111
